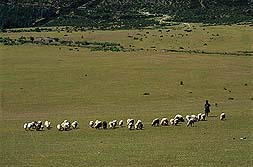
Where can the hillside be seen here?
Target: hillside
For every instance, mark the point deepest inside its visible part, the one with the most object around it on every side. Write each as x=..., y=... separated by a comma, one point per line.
x=108, y=14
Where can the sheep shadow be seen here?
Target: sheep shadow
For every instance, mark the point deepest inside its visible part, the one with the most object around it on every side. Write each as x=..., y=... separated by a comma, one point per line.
x=40, y=130
x=193, y=126
x=113, y=128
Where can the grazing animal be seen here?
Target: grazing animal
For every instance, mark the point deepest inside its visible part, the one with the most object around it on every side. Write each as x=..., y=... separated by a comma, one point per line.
x=74, y=124
x=98, y=124
x=155, y=122
x=172, y=121
x=91, y=123
x=164, y=122
x=194, y=117
x=176, y=121
x=179, y=117
x=190, y=122
x=112, y=124
x=39, y=126
x=130, y=125
x=25, y=126
x=222, y=116
x=121, y=123
x=30, y=125
x=188, y=117
x=59, y=127
x=66, y=125
x=138, y=125
x=203, y=117
x=115, y=121
x=130, y=121
x=47, y=124
x=104, y=125
x=199, y=116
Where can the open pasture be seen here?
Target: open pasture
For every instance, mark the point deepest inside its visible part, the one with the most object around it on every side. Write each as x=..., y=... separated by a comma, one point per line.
x=192, y=37
x=55, y=83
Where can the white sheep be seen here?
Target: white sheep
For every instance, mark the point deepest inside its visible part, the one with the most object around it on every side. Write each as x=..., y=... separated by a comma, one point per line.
x=179, y=117
x=199, y=116
x=155, y=122
x=164, y=122
x=194, y=117
x=203, y=117
x=25, y=126
x=74, y=124
x=187, y=117
x=176, y=121
x=115, y=121
x=190, y=122
x=30, y=125
x=130, y=125
x=121, y=123
x=130, y=121
x=222, y=116
x=47, y=124
x=66, y=125
x=172, y=121
x=91, y=123
x=98, y=124
x=39, y=125
x=112, y=124
x=138, y=125
x=104, y=125
x=59, y=127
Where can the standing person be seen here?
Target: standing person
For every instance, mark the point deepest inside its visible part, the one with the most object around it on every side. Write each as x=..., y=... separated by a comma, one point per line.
x=207, y=108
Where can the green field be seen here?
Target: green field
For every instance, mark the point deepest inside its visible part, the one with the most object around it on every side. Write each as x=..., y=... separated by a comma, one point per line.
x=40, y=82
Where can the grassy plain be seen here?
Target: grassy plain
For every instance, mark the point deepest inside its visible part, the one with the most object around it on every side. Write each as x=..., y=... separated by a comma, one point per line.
x=55, y=83
x=214, y=39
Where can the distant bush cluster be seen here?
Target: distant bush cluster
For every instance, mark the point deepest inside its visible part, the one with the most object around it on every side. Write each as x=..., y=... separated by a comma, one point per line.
x=93, y=46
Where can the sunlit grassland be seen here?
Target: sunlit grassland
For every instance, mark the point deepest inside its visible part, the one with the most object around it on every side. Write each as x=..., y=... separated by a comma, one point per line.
x=55, y=83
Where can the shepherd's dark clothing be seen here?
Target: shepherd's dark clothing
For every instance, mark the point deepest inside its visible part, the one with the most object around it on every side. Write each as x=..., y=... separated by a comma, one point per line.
x=207, y=108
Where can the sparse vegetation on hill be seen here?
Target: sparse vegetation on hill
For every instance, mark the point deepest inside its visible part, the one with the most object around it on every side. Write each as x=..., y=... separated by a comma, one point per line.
x=115, y=14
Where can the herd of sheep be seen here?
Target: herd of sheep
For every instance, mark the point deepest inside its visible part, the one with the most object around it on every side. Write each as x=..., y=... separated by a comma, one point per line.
x=66, y=125
x=130, y=123
x=37, y=125
x=112, y=124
